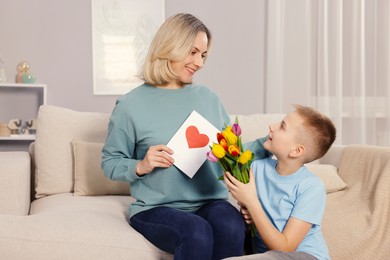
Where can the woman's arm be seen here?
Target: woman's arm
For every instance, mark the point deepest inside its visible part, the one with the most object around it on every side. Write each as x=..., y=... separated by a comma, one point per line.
x=121, y=159
x=118, y=161
x=257, y=148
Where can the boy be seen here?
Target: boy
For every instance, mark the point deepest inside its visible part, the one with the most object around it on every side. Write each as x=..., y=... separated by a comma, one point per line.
x=288, y=206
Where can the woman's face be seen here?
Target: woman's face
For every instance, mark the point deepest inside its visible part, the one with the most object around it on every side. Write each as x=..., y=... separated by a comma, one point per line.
x=186, y=69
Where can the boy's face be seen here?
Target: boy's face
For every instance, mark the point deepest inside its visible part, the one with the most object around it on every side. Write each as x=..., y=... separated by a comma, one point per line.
x=283, y=136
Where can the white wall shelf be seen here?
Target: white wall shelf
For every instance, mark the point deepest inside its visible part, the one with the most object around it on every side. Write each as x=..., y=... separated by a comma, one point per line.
x=26, y=137
x=26, y=87
x=20, y=101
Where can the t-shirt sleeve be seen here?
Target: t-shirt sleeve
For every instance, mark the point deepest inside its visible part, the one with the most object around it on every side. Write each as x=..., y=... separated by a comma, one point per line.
x=311, y=201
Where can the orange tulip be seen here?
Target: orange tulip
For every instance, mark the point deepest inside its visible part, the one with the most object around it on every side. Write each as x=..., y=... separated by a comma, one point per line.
x=224, y=144
x=234, y=150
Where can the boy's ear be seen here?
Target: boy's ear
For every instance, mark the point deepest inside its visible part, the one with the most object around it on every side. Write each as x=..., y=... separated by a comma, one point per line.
x=297, y=151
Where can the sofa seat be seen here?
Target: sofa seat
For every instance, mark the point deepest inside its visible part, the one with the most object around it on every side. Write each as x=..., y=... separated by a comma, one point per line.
x=76, y=227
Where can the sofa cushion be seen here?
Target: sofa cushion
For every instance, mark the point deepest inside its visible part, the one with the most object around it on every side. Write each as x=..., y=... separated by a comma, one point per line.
x=329, y=176
x=64, y=226
x=89, y=178
x=56, y=128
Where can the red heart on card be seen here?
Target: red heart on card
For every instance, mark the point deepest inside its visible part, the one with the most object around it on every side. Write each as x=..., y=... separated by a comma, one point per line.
x=196, y=139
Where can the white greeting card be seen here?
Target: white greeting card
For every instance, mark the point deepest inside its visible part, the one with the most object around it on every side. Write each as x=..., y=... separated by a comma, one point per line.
x=191, y=142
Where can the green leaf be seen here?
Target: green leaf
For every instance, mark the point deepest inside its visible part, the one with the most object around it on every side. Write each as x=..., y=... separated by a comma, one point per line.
x=237, y=173
x=231, y=157
x=224, y=165
x=239, y=144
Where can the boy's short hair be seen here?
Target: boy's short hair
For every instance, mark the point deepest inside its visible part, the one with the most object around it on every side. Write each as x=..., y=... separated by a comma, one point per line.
x=322, y=130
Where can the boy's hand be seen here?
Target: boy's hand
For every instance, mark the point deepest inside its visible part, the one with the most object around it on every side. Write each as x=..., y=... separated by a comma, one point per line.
x=245, y=213
x=245, y=193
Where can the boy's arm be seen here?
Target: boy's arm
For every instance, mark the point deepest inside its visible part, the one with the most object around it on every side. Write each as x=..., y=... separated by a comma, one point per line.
x=292, y=235
x=288, y=240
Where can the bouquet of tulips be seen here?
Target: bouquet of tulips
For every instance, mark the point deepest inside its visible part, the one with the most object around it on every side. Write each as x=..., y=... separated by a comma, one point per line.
x=230, y=155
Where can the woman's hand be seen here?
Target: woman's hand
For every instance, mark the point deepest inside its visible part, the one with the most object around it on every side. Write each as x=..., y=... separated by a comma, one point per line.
x=156, y=156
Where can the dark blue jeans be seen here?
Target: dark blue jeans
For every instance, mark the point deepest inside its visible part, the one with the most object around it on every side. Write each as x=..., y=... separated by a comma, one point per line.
x=215, y=231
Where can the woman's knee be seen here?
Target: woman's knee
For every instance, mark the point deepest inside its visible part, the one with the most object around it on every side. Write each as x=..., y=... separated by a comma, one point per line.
x=224, y=216
x=196, y=242
x=198, y=232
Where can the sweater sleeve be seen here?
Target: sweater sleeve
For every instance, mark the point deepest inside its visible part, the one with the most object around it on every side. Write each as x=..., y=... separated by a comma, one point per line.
x=257, y=148
x=118, y=160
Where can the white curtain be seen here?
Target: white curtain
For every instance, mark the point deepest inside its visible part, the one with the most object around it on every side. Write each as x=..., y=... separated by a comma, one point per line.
x=333, y=55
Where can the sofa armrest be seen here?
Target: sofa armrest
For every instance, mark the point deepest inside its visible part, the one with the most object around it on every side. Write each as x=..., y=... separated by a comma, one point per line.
x=15, y=187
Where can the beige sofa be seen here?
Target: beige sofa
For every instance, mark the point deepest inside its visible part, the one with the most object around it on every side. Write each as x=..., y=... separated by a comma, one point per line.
x=77, y=213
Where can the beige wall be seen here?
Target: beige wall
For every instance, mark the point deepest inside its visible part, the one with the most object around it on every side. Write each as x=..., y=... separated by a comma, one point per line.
x=55, y=38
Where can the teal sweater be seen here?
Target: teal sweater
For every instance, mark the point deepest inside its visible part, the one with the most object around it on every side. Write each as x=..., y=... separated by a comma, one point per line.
x=149, y=116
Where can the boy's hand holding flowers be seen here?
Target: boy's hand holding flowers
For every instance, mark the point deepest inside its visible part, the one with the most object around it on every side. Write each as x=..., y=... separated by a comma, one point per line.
x=234, y=161
x=243, y=193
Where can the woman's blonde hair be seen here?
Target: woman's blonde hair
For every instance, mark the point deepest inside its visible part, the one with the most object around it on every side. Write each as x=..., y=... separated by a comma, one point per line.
x=173, y=41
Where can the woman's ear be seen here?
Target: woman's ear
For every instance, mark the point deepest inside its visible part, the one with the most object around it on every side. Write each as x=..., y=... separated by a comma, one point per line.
x=297, y=151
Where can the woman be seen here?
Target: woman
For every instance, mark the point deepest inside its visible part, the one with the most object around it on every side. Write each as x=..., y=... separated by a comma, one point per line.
x=190, y=218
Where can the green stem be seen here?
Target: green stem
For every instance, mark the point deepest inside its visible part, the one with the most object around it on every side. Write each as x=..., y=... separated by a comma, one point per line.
x=253, y=230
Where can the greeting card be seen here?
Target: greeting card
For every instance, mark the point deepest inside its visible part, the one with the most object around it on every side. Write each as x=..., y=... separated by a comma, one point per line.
x=191, y=142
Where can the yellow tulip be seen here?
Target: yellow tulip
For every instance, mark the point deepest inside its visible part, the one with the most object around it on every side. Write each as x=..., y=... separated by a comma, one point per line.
x=229, y=135
x=245, y=157
x=218, y=151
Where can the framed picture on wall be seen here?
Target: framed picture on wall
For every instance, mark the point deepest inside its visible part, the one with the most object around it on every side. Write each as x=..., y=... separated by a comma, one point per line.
x=121, y=34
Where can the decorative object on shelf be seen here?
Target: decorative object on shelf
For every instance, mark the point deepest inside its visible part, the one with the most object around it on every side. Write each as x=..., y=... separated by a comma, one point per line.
x=31, y=126
x=15, y=126
x=28, y=78
x=24, y=75
x=4, y=130
x=22, y=68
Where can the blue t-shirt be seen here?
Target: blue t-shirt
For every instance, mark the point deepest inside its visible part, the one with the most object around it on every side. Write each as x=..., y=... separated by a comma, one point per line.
x=300, y=195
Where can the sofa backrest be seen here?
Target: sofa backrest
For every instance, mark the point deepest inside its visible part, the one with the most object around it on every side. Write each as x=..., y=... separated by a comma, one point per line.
x=62, y=132
x=256, y=125
x=57, y=127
